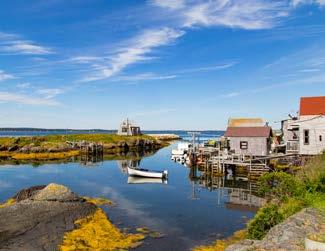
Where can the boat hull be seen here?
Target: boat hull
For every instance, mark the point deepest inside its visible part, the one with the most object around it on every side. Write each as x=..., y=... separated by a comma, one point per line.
x=146, y=173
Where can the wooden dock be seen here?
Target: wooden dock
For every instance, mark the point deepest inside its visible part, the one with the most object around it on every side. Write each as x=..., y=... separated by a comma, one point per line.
x=216, y=162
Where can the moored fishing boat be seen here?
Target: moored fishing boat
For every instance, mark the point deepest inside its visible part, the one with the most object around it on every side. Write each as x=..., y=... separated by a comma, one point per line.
x=147, y=173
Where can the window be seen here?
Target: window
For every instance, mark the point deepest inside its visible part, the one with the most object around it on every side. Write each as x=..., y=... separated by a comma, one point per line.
x=243, y=145
x=306, y=137
x=320, y=138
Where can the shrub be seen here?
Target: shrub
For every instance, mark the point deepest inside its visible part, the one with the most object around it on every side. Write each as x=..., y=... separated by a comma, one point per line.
x=280, y=185
x=313, y=174
x=291, y=207
x=264, y=220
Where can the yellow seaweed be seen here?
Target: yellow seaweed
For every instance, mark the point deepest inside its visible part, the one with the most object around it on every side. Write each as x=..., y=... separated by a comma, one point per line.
x=43, y=156
x=99, y=201
x=96, y=232
x=146, y=231
x=8, y=203
x=221, y=245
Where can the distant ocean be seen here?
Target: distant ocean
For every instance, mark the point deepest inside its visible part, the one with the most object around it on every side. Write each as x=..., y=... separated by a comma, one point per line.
x=19, y=132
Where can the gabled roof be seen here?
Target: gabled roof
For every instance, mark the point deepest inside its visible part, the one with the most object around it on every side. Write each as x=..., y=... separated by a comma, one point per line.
x=261, y=131
x=245, y=122
x=312, y=106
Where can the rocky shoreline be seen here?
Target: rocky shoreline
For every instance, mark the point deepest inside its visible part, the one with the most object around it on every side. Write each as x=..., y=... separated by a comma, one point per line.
x=46, y=148
x=48, y=218
x=288, y=235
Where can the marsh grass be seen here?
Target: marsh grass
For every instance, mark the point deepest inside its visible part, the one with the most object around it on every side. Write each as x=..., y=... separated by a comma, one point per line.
x=54, y=140
x=44, y=156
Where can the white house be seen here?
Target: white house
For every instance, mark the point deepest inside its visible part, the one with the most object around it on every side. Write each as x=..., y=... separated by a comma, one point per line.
x=306, y=133
x=128, y=129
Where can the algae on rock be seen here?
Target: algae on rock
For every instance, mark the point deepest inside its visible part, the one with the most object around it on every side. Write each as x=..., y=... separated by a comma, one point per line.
x=96, y=232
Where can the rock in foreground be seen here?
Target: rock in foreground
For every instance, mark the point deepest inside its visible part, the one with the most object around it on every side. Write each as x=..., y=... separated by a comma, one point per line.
x=52, y=217
x=288, y=235
x=40, y=224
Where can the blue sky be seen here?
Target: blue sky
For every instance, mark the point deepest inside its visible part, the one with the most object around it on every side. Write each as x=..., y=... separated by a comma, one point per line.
x=166, y=64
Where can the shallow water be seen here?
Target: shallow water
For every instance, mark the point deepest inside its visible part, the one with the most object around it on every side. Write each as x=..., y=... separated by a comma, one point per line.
x=186, y=212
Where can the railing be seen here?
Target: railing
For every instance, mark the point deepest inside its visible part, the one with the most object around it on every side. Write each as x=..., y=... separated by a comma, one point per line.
x=293, y=146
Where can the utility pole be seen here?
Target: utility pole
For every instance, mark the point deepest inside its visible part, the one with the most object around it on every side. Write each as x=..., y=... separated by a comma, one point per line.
x=194, y=137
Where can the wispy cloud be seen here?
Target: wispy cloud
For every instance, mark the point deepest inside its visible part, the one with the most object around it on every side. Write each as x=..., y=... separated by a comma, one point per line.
x=49, y=93
x=254, y=14
x=23, y=85
x=311, y=80
x=144, y=77
x=296, y=3
x=137, y=50
x=217, y=67
x=172, y=75
x=5, y=76
x=170, y=4
x=26, y=99
x=230, y=95
x=13, y=44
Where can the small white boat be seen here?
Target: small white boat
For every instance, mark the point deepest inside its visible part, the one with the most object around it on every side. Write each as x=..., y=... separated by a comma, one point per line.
x=147, y=173
x=182, y=148
x=141, y=180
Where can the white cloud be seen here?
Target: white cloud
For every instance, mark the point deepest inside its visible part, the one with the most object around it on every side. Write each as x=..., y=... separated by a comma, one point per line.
x=170, y=4
x=296, y=3
x=137, y=50
x=24, y=85
x=210, y=68
x=11, y=43
x=84, y=59
x=49, y=93
x=254, y=14
x=5, y=76
x=144, y=77
x=25, y=99
x=230, y=95
x=25, y=47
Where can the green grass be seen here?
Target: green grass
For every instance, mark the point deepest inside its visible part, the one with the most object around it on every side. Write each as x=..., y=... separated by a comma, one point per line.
x=288, y=194
x=54, y=140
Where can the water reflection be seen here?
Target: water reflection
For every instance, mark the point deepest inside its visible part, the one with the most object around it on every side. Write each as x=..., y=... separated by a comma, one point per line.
x=192, y=209
x=140, y=180
x=240, y=192
x=85, y=159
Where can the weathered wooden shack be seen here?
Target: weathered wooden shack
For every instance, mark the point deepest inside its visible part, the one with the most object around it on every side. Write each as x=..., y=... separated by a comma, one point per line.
x=305, y=134
x=255, y=141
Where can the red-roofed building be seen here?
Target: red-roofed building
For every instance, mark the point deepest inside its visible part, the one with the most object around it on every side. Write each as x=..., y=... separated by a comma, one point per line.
x=312, y=106
x=306, y=133
x=254, y=141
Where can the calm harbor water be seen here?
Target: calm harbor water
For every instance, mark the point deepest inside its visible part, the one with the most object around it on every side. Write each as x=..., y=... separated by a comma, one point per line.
x=187, y=210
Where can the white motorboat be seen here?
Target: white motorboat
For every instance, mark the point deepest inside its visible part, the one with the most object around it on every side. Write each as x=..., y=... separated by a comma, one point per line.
x=147, y=173
x=142, y=180
x=182, y=148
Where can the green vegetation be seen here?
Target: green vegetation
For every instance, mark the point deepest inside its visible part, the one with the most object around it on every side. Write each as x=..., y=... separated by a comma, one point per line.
x=43, y=156
x=53, y=140
x=53, y=147
x=289, y=193
x=286, y=195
